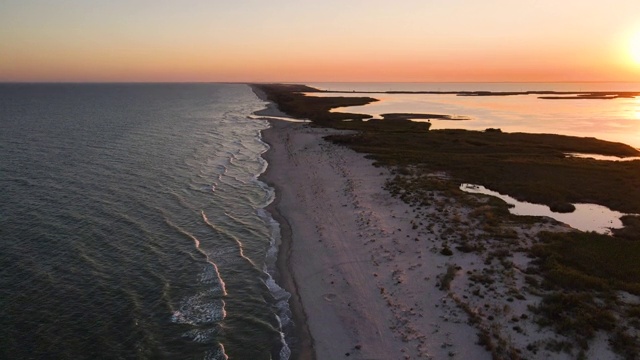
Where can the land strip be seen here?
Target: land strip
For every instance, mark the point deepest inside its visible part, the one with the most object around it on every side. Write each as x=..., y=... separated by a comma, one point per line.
x=415, y=270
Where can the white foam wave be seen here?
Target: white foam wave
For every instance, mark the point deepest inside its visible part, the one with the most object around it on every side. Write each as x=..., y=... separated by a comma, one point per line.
x=266, y=117
x=285, y=351
x=281, y=296
x=200, y=309
x=201, y=335
x=210, y=275
x=274, y=240
x=269, y=191
x=238, y=242
x=216, y=354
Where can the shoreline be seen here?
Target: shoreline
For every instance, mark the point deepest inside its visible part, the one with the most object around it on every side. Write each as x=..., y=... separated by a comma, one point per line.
x=302, y=342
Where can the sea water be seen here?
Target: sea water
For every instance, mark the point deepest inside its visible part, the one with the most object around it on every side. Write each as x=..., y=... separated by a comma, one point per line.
x=132, y=224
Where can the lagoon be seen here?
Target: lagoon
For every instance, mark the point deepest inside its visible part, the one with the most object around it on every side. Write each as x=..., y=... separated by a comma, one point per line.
x=586, y=217
x=613, y=119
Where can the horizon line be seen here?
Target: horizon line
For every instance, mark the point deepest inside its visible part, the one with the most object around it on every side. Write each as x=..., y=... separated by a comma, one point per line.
x=323, y=82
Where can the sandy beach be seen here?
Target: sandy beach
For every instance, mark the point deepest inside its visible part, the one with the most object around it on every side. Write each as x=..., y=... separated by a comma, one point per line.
x=367, y=272
x=366, y=287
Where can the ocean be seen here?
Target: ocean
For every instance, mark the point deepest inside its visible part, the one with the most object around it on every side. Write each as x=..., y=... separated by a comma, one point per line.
x=133, y=224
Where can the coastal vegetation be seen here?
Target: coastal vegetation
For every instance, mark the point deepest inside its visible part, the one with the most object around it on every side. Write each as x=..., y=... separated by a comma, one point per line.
x=586, y=278
x=587, y=283
x=528, y=167
x=291, y=100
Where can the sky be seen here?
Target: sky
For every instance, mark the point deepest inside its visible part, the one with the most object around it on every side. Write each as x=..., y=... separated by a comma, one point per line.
x=313, y=41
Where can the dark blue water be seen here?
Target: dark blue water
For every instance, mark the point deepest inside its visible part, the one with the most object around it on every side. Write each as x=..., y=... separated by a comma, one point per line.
x=132, y=224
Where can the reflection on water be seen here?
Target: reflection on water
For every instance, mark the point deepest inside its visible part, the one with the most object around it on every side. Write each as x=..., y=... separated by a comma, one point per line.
x=269, y=117
x=586, y=217
x=602, y=157
x=613, y=120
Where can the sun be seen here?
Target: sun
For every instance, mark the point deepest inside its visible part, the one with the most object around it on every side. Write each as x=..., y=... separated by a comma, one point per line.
x=634, y=48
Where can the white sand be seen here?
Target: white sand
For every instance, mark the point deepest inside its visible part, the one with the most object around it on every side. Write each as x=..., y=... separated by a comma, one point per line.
x=362, y=278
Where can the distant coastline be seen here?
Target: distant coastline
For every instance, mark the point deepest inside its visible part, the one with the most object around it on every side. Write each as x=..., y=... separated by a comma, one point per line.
x=553, y=95
x=604, y=116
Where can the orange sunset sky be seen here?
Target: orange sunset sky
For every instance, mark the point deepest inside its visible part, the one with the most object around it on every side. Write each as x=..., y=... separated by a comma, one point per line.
x=329, y=40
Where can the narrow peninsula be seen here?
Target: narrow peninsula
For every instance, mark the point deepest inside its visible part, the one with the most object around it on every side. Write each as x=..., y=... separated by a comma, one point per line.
x=387, y=258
